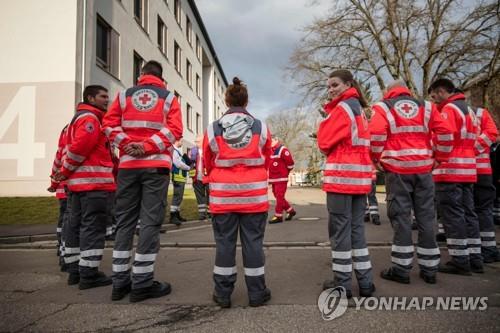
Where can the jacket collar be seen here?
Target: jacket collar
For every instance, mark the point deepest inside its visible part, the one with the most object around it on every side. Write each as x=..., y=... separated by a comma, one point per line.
x=396, y=92
x=150, y=80
x=237, y=109
x=454, y=97
x=347, y=94
x=88, y=107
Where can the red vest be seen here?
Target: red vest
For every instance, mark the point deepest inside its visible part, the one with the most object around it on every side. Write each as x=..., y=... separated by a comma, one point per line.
x=57, y=164
x=402, y=131
x=487, y=135
x=281, y=164
x=344, y=138
x=461, y=165
x=237, y=177
x=146, y=113
x=87, y=162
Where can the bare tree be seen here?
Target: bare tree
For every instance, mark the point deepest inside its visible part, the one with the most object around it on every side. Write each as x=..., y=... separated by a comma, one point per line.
x=415, y=40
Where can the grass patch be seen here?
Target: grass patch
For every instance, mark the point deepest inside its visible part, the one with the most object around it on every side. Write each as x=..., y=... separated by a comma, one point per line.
x=45, y=210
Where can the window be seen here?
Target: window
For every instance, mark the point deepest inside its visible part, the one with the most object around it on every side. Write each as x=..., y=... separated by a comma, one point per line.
x=177, y=57
x=198, y=123
x=189, y=116
x=162, y=37
x=177, y=11
x=198, y=85
x=141, y=13
x=138, y=63
x=107, y=47
x=189, y=31
x=198, y=48
x=189, y=77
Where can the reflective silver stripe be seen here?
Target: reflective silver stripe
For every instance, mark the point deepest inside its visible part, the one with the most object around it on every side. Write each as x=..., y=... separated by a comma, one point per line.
x=348, y=167
x=238, y=200
x=486, y=139
x=85, y=115
x=475, y=250
x=471, y=136
x=362, y=265
x=70, y=260
x=347, y=181
x=408, y=164
x=69, y=166
x=225, y=270
x=143, y=269
x=165, y=131
x=72, y=250
x=460, y=160
x=479, y=113
x=403, y=249
x=88, y=168
x=356, y=140
x=101, y=180
x=485, y=155
x=235, y=161
x=428, y=252
x=119, y=138
x=454, y=172
x=263, y=134
x=341, y=254
x=444, y=149
x=463, y=130
x=154, y=157
x=275, y=180
x=238, y=187
x=454, y=241
x=211, y=138
x=479, y=147
x=360, y=252
x=428, y=263
x=445, y=137
x=168, y=102
x=54, y=168
x=122, y=98
x=488, y=243
x=158, y=141
x=476, y=241
x=121, y=268
x=377, y=149
x=406, y=152
x=145, y=257
x=89, y=253
x=254, y=271
x=487, y=234
x=378, y=137
x=483, y=165
x=342, y=268
x=58, y=229
x=60, y=190
x=122, y=254
x=142, y=124
x=400, y=129
x=75, y=157
x=108, y=131
x=400, y=261
x=427, y=114
x=89, y=263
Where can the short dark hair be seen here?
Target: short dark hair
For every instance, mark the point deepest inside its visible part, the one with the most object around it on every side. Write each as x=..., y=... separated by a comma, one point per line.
x=153, y=67
x=446, y=84
x=92, y=91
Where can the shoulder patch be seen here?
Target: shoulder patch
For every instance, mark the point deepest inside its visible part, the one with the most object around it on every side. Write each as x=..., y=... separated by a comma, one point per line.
x=145, y=99
x=89, y=127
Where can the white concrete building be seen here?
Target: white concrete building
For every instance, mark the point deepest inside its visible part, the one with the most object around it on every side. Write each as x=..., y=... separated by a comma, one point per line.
x=52, y=49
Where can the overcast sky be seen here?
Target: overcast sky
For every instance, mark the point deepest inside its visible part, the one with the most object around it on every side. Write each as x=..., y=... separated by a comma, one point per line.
x=254, y=40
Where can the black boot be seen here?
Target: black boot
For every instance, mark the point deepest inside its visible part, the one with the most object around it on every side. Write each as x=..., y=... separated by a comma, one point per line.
x=223, y=302
x=452, y=268
x=330, y=284
x=275, y=219
x=367, y=292
x=441, y=238
x=174, y=218
x=290, y=214
x=158, y=289
x=376, y=219
x=119, y=293
x=430, y=279
x=73, y=278
x=392, y=275
x=265, y=299
x=98, y=280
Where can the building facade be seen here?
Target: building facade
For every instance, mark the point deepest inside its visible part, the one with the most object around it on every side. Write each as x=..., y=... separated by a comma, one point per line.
x=53, y=49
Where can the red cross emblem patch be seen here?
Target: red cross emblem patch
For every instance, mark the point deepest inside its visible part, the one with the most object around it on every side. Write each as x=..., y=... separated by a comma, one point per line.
x=144, y=99
x=406, y=109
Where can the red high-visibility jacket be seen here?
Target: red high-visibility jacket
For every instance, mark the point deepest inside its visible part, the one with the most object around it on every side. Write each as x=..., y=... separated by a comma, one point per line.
x=345, y=139
x=146, y=113
x=461, y=165
x=402, y=132
x=237, y=177
x=57, y=164
x=281, y=164
x=87, y=163
x=487, y=136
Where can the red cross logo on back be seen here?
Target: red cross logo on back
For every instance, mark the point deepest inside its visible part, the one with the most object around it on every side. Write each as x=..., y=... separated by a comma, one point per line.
x=144, y=99
x=406, y=109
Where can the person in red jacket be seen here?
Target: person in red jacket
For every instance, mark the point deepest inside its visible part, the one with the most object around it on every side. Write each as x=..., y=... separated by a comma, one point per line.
x=484, y=189
x=345, y=140
x=454, y=182
x=88, y=168
x=59, y=189
x=403, y=130
x=236, y=154
x=281, y=165
x=143, y=122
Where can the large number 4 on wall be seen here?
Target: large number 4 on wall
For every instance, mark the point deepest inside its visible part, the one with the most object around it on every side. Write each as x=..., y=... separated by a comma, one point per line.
x=25, y=150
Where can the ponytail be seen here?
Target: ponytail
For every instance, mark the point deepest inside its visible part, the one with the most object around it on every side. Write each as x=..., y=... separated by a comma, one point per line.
x=362, y=99
x=347, y=77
